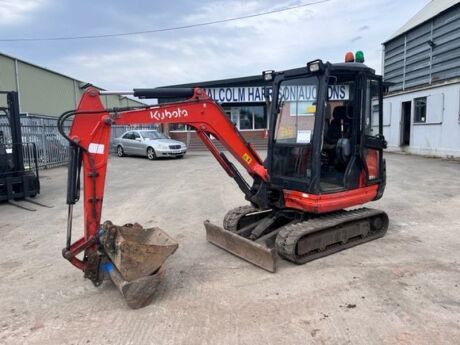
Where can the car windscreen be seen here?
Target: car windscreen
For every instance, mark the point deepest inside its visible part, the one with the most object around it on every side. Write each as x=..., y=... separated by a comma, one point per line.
x=153, y=135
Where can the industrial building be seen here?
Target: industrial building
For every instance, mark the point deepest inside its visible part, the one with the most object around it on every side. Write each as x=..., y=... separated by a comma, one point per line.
x=421, y=65
x=43, y=96
x=45, y=92
x=243, y=102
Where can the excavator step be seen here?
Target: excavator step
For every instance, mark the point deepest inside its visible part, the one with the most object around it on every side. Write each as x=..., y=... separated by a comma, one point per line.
x=254, y=252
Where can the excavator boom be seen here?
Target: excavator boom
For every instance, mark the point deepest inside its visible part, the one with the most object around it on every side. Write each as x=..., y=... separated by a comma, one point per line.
x=109, y=245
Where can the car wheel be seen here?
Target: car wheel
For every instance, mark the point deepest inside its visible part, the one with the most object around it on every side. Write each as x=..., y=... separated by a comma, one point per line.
x=120, y=152
x=151, y=154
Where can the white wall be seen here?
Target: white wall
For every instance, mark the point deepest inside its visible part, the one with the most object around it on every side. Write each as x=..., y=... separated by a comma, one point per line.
x=440, y=135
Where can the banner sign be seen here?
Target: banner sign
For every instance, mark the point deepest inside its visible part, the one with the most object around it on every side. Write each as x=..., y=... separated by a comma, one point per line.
x=236, y=94
x=308, y=93
x=252, y=94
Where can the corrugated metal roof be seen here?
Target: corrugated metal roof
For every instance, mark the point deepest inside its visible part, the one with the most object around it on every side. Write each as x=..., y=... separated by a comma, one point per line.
x=62, y=75
x=433, y=8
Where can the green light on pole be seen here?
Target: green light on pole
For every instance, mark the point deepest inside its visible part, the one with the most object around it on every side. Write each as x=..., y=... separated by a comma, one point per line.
x=359, y=56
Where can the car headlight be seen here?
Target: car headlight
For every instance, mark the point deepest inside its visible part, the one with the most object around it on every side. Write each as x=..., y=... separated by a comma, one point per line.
x=164, y=147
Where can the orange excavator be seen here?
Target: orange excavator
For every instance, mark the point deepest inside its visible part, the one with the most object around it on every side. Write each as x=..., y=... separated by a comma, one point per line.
x=324, y=157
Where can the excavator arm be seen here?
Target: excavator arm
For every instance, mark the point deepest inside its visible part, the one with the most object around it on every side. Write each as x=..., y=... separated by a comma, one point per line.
x=89, y=137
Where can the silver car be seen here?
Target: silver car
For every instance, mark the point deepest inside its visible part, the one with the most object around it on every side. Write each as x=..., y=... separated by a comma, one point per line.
x=150, y=143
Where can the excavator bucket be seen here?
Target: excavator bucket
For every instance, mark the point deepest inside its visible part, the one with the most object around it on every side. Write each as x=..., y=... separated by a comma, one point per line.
x=254, y=252
x=137, y=255
x=139, y=292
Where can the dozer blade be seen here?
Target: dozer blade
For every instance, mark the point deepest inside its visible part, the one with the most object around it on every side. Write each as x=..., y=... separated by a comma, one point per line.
x=251, y=251
x=136, y=252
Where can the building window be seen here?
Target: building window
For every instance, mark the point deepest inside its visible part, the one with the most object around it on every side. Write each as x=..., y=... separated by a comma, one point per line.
x=260, y=118
x=179, y=127
x=375, y=115
x=420, y=110
x=302, y=108
x=248, y=117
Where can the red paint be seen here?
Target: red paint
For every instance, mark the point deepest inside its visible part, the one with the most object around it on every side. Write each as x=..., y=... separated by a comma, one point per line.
x=323, y=203
x=93, y=132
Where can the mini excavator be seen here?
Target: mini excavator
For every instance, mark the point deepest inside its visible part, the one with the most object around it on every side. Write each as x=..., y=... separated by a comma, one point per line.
x=324, y=159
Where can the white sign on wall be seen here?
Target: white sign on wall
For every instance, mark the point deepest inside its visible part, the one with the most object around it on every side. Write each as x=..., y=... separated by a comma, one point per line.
x=236, y=94
x=249, y=94
x=305, y=93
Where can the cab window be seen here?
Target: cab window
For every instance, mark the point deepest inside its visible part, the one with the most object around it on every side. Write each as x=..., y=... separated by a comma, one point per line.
x=296, y=111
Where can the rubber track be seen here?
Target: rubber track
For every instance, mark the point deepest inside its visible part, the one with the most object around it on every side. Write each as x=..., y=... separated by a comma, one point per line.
x=233, y=216
x=289, y=235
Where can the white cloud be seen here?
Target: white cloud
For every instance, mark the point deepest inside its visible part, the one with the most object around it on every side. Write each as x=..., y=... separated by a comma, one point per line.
x=14, y=12
x=280, y=41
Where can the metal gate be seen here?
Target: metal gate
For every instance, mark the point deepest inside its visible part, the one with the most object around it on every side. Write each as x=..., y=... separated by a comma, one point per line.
x=51, y=147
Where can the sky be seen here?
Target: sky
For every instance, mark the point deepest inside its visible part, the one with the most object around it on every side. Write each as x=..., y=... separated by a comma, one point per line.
x=234, y=49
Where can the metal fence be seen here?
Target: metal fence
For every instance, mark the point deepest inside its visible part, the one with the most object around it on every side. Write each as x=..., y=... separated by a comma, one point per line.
x=7, y=162
x=52, y=148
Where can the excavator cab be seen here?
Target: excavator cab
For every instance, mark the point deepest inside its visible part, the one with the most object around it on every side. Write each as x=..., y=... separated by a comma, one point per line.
x=324, y=156
x=327, y=129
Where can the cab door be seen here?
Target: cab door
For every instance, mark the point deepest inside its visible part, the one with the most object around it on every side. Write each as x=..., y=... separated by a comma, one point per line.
x=292, y=146
x=372, y=134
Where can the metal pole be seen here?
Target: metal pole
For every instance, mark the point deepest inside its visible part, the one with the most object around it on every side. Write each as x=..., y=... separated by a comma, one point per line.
x=16, y=74
x=69, y=226
x=45, y=151
x=119, y=93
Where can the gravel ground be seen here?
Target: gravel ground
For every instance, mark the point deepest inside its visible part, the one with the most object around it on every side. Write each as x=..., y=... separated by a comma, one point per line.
x=401, y=289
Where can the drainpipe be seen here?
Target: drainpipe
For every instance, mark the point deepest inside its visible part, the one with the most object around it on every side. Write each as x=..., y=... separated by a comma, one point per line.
x=16, y=74
x=383, y=61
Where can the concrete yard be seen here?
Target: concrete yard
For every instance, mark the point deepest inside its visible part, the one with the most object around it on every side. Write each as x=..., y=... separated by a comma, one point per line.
x=401, y=289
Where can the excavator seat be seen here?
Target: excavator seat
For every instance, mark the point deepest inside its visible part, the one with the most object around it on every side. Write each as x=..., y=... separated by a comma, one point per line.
x=341, y=114
x=338, y=134
x=337, y=148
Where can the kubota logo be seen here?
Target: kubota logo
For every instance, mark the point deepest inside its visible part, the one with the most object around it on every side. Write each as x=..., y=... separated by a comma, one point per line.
x=165, y=114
